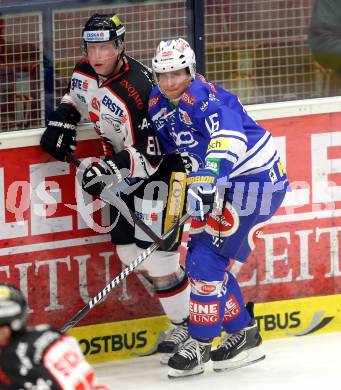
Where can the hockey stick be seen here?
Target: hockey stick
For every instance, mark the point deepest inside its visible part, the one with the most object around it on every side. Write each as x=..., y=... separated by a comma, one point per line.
x=121, y=206
x=119, y=278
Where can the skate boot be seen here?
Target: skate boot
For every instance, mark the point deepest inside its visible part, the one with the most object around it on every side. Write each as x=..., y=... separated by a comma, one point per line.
x=174, y=340
x=239, y=349
x=190, y=359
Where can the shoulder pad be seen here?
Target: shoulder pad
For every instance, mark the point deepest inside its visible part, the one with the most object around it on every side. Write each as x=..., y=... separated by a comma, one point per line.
x=84, y=67
x=154, y=98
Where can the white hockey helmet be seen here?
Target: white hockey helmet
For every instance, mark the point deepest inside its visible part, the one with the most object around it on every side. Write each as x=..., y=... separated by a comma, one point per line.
x=174, y=55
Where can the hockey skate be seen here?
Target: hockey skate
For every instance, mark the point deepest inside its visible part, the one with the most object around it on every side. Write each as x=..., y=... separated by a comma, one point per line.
x=174, y=340
x=239, y=349
x=190, y=359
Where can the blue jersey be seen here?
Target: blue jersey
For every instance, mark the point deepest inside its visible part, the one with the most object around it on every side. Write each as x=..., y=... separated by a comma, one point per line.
x=211, y=129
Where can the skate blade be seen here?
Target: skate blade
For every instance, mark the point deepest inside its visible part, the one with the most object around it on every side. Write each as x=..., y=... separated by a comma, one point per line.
x=164, y=357
x=245, y=358
x=173, y=373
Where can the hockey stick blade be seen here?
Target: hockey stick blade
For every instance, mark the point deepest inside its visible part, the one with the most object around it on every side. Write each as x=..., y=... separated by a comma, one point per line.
x=130, y=215
x=119, y=278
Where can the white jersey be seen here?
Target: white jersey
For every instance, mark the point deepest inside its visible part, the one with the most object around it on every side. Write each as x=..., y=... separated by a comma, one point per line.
x=118, y=110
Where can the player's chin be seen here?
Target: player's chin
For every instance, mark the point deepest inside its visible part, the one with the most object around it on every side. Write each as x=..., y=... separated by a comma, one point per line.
x=172, y=95
x=99, y=69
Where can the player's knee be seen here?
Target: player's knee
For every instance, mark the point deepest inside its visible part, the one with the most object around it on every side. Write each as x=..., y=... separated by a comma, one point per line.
x=171, y=283
x=127, y=253
x=162, y=263
x=164, y=269
x=203, y=264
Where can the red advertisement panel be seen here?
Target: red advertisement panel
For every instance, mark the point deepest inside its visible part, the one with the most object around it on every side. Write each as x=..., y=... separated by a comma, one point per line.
x=48, y=250
x=298, y=254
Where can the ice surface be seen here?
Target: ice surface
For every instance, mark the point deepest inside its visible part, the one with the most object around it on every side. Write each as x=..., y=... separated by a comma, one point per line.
x=302, y=363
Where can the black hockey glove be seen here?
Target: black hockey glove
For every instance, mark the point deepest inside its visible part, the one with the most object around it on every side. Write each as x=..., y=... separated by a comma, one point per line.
x=101, y=174
x=59, y=137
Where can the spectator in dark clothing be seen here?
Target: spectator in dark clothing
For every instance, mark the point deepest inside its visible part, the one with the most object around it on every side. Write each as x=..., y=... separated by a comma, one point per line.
x=325, y=34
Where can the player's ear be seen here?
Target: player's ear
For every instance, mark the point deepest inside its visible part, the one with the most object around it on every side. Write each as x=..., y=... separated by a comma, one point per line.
x=5, y=332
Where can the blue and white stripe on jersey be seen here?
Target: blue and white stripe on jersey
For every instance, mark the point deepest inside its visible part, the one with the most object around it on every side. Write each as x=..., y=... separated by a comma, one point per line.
x=260, y=157
x=236, y=145
x=211, y=130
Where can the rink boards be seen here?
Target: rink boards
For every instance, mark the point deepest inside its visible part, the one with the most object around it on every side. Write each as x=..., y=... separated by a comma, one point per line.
x=287, y=318
x=52, y=252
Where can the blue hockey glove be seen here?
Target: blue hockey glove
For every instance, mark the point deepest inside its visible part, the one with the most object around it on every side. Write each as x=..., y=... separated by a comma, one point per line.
x=201, y=193
x=101, y=174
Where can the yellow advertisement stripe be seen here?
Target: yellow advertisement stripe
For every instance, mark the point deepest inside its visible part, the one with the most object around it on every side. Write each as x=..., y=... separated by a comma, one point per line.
x=287, y=318
x=120, y=340
x=299, y=317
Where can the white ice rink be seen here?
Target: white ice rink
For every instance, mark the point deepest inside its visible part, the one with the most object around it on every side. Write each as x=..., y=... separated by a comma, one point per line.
x=302, y=363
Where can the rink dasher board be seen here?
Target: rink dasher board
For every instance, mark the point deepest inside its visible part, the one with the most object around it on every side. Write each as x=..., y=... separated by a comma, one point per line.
x=280, y=319
x=295, y=108
x=70, y=262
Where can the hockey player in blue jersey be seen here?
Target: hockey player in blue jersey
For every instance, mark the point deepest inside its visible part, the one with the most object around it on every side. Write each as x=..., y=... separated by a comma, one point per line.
x=236, y=182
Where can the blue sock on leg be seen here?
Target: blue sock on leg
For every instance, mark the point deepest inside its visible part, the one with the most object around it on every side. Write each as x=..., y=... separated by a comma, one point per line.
x=236, y=317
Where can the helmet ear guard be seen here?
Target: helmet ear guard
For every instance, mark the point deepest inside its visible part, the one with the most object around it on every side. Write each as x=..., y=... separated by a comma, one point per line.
x=174, y=55
x=13, y=308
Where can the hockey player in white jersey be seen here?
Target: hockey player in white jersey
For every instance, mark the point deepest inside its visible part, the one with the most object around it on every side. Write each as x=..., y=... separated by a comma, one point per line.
x=111, y=89
x=236, y=183
x=39, y=357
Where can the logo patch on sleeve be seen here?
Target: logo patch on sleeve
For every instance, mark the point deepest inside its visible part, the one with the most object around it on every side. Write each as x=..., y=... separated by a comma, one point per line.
x=220, y=143
x=213, y=164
